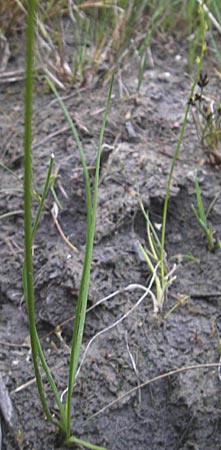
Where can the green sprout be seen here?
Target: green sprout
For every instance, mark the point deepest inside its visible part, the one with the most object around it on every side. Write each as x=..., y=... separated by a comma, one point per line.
x=152, y=256
x=202, y=218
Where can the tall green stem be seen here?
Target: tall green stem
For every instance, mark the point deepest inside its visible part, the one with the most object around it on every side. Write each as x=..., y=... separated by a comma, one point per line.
x=32, y=7
x=165, y=209
x=85, y=280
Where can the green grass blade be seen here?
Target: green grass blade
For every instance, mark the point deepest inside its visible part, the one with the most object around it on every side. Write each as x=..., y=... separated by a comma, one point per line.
x=210, y=237
x=201, y=211
x=80, y=149
x=195, y=212
x=40, y=351
x=147, y=257
x=216, y=10
x=202, y=224
x=149, y=223
x=81, y=443
x=43, y=197
x=3, y=166
x=53, y=386
x=84, y=287
x=211, y=205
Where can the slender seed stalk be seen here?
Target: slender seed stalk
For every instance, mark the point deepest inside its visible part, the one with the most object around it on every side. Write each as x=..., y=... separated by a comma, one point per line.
x=32, y=8
x=165, y=209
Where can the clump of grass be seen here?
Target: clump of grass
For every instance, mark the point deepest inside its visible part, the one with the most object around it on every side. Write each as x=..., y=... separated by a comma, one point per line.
x=202, y=219
x=152, y=255
x=102, y=34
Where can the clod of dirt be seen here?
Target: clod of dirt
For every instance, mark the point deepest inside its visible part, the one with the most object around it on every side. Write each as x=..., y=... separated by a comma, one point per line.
x=7, y=412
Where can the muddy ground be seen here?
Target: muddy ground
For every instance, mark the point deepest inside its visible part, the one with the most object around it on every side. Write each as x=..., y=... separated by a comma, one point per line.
x=182, y=412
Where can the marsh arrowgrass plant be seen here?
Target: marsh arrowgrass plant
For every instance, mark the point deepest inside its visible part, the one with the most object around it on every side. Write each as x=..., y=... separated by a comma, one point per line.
x=64, y=424
x=39, y=361
x=199, y=61
x=155, y=254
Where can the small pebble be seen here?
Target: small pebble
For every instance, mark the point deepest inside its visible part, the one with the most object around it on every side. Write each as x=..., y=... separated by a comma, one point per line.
x=164, y=76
